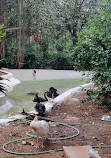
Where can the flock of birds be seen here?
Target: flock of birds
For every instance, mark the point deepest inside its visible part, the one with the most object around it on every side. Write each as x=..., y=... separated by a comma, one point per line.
x=41, y=127
x=40, y=108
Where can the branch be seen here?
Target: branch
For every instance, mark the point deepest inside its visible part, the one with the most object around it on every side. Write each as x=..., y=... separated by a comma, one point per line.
x=81, y=5
x=69, y=28
x=12, y=29
x=76, y=2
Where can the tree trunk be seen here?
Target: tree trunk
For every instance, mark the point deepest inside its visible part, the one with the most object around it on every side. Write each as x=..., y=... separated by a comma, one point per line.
x=74, y=37
x=37, y=44
x=2, y=45
x=23, y=33
x=20, y=37
x=19, y=48
x=73, y=33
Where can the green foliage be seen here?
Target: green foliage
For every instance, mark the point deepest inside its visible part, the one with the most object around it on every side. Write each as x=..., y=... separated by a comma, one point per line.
x=93, y=53
x=10, y=59
x=50, y=23
x=12, y=21
x=9, y=62
x=60, y=61
x=2, y=34
x=30, y=58
x=82, y=56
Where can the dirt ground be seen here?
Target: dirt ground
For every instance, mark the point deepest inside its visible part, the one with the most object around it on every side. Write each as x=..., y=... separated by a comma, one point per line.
x=84, y=115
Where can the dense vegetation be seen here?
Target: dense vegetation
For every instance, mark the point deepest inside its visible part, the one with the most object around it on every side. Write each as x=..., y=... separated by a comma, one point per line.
x=42, y=33
x=93, y=52
x=59, y=34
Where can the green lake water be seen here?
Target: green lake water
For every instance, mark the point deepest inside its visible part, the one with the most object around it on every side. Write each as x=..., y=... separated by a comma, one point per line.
x=20, y=99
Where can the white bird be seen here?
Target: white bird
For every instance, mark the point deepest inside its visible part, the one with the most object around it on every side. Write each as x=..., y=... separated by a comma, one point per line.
x=40, y=128
x=92, y=154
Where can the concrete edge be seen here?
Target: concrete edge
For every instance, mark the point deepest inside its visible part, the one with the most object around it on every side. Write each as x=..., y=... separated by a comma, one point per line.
x=9, y=81
x=50, y=104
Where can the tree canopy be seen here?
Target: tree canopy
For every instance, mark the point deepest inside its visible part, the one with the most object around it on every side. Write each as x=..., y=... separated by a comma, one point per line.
x=93, y=52
x=47, y=27
x=59, y=34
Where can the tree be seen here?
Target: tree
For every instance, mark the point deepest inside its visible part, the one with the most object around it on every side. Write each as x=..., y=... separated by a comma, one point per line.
x=93, y=53
x=72, y=15
x=13, y=21
x=51, y=26
x=2, y=35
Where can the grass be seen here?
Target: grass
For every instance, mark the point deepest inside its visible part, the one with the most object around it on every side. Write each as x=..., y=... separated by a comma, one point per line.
x=20, y=99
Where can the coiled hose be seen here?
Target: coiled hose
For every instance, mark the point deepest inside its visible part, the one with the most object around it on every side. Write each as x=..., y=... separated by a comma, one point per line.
x=32, y=136
x=55, y=150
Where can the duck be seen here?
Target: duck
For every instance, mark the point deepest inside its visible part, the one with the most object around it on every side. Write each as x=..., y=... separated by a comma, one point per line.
x=52, y=93
x=40, y=128
x=40, y=99
x=41, y=109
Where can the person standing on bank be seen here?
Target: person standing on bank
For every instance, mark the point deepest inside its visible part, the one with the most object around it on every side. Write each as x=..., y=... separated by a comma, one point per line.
x=34, y=74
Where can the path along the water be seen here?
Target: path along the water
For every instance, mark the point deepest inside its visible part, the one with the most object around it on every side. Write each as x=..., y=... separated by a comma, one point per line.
x=42, y=74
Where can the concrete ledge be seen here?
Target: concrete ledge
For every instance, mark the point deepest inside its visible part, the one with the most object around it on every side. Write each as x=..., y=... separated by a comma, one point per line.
x=5, y=107
x=2, y=98
x=79, y=152
x=64, y=96
x=68, y=93
x=8, y=75
x=9, y=81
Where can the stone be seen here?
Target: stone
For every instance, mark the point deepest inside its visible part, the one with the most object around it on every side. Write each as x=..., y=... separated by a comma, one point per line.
x=76, y=151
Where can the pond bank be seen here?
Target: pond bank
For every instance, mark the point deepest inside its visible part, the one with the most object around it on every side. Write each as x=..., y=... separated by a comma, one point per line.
x=50, y=104
x=9, y=80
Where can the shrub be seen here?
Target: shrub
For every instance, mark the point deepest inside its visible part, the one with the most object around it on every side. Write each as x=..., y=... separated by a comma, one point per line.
x=93, y=53
x=59, y=61
x=30, y=58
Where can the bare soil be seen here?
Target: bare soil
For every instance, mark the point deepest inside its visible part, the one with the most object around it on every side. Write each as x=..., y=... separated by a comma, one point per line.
x=84, y=115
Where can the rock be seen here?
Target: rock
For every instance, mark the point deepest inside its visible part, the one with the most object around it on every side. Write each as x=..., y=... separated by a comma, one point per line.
x=32, y=143
x=95, y=138
x=86, y=113
x=24, y=142
x=32, y=93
